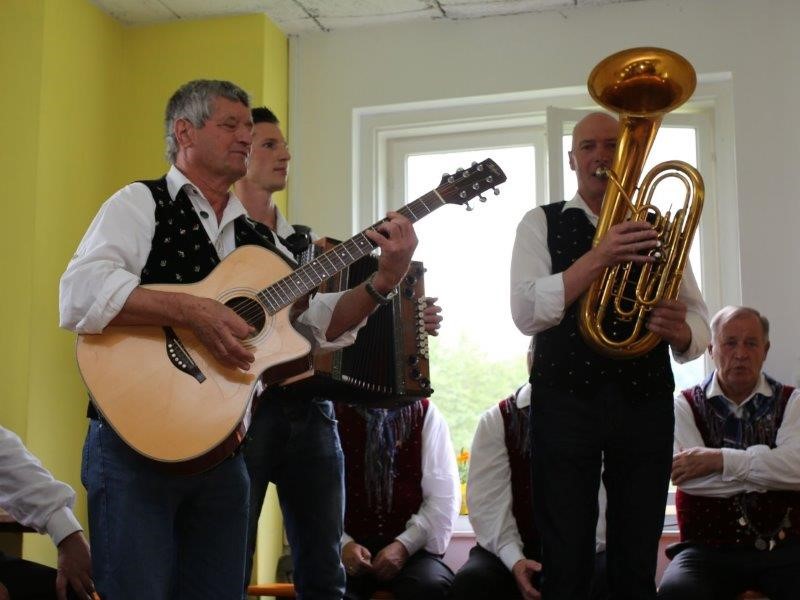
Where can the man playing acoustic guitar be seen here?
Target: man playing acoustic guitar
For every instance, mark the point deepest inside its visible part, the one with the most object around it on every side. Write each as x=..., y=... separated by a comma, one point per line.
x=155, y=534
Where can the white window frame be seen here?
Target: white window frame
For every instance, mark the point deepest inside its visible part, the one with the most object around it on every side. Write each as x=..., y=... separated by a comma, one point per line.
x=381, y=135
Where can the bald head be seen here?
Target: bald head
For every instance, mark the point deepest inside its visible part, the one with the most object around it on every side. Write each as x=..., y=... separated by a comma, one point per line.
x=594, y=141
x=592, y=123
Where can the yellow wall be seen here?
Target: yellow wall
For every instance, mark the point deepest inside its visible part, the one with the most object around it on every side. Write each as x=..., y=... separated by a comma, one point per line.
x=82, y=114
x=20, y=28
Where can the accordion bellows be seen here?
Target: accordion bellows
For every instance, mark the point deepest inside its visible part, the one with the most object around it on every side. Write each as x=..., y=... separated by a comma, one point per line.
x=388, y=365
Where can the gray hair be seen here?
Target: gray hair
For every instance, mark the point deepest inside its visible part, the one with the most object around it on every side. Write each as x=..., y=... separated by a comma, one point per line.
x=194, y=101
x=732, y=312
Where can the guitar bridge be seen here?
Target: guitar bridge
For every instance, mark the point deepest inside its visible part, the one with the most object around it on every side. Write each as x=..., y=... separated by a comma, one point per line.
x=179, y=357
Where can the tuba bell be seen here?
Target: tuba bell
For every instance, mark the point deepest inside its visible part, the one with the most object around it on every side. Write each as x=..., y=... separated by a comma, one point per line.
x=642, y=85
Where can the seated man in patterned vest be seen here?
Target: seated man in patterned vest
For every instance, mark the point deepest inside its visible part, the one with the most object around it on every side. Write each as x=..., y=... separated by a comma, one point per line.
x=505, y=561
x=737, y=468
x=402, y=499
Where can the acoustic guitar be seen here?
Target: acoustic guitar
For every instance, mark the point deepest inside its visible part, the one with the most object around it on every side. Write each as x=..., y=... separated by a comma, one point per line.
x=165, y=394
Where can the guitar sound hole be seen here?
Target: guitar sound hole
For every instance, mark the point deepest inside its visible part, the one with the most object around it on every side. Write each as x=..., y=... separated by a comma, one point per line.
x=250, y=310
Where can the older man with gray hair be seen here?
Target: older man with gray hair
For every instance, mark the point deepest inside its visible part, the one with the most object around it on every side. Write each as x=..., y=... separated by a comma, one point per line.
x=158, y=535
x=737, y=468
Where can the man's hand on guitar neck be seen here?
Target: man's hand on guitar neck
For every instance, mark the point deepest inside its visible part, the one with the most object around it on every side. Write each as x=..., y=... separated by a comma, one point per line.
x=397, y=240
x=217, y=327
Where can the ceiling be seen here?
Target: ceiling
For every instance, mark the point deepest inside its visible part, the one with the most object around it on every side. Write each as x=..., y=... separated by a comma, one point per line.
x=300, y=16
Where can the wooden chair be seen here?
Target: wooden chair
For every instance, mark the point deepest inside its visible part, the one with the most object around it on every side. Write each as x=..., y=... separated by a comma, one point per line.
x=279, y=590
x=286, y=590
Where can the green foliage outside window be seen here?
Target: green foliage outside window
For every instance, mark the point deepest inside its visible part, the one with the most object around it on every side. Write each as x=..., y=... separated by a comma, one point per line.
x=466, y=382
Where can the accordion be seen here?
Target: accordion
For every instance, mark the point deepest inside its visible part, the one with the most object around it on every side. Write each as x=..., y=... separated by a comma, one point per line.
x=388, y=364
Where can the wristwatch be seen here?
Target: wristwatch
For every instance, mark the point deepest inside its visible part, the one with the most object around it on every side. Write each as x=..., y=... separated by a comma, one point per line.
x=375, y=294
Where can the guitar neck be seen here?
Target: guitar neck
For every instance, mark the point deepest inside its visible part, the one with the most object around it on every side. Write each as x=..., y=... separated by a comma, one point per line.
x=300, y=282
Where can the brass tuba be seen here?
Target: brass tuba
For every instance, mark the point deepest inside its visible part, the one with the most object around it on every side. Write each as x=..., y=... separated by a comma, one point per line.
x=642, y=85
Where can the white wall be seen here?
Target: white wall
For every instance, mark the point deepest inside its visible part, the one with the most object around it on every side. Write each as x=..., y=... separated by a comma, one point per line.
x=756, y=41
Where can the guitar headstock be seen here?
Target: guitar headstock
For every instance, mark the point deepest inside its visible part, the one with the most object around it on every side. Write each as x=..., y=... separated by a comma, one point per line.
x=466, y=184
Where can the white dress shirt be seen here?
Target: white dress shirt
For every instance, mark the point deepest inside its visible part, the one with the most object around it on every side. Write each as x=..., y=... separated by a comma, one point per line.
x=29, y=493
x=537, y=294
x=489, y=494
x=105, y=269
x=432, y=525
x=756, y=469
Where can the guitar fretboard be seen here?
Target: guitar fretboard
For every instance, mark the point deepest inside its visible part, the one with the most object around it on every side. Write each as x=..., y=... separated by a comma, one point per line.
x=300, y=282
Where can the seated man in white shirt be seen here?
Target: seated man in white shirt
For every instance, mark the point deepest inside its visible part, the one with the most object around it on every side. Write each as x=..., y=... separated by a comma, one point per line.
x=32, y=497
x=737, y=468
x=402, y=499
x=505, y=563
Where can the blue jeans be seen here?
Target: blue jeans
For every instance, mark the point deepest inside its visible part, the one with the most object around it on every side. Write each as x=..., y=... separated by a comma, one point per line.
x=293, y=442
x=162, y=536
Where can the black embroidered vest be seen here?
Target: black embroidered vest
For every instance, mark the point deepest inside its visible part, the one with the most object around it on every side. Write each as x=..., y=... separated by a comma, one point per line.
x=562, y=359
x=181, y=251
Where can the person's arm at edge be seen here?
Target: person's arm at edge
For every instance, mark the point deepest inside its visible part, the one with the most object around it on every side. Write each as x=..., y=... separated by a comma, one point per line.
x=489, y=491
x=432, y=525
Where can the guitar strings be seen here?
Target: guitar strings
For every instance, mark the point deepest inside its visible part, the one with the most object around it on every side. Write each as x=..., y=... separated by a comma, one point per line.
x=252, y=311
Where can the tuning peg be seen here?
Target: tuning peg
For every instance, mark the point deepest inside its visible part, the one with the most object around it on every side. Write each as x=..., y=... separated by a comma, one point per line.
x=482, y=198
x=450, y=179
x=462, y=194
x=490, y=179
x=469, y=208
x=478, y=167
x=476, y=186
x=459, y=169
x=474, y=163
x=496, y=191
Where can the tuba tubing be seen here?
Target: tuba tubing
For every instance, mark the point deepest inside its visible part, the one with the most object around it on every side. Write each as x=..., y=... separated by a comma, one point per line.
x=642, y=85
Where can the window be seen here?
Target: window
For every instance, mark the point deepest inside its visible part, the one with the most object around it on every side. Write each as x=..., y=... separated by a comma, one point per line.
x=479, y=356
x=400, y=152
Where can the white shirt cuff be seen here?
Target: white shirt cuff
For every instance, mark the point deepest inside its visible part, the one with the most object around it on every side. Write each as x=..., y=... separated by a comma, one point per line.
x=61, y=524
x=413, y=539
x=735, y=464
x=510, y=554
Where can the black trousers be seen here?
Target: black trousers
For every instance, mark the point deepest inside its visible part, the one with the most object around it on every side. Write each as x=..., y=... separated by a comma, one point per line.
x=572, y=438
x=702, y=573
x=423, y=577
x=26, y=580
x=484, y=576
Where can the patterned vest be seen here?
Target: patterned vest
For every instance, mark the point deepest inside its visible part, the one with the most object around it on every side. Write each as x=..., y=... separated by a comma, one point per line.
x=562, y=359
x=181, y=251
x=516, y=424
x=751, y=519
x=369, y=520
